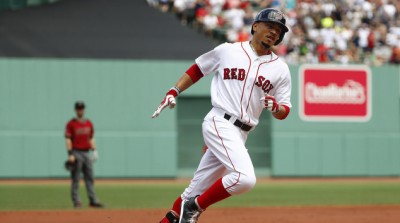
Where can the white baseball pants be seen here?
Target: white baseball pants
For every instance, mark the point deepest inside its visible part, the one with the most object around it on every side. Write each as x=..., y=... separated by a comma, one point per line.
x=226, y=157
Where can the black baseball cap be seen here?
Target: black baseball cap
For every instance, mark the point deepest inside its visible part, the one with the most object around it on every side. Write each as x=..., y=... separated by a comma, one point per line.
x=79, y=105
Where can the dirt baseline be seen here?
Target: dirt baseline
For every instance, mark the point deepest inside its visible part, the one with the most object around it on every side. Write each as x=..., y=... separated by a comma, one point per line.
x=360, y=214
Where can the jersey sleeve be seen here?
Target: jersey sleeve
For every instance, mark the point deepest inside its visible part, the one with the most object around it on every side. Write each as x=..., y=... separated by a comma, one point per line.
x=91, y=134
x=69, y=130
x=209, y=61
x=283, y=92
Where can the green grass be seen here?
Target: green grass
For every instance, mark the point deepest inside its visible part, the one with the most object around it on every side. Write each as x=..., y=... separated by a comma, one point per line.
x=124, y=196
x=320, y=194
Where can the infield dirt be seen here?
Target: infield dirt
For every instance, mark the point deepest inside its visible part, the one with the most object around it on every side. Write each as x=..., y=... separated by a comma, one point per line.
x=350, y=214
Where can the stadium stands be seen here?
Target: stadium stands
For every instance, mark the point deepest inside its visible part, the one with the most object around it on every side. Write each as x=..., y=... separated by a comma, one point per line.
x=322, y=31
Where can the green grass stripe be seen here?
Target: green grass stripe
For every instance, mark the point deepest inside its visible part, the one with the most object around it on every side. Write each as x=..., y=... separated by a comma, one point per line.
x=160, y=195
x=317, y=194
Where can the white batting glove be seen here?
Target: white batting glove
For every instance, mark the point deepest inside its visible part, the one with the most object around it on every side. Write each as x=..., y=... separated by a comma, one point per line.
x=169, y=101
x=269, y=103
x=95, y=155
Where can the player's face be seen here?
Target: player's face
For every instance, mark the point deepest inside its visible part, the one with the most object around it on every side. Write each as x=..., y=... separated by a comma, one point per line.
x=266, y=33
x=80, y=112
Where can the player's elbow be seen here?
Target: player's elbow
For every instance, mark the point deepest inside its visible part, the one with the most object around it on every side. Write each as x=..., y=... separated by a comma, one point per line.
x=281, y=115
x=194, y=73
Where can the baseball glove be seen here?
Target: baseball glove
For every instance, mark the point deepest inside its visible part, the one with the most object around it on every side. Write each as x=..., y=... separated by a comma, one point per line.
x=70, y=166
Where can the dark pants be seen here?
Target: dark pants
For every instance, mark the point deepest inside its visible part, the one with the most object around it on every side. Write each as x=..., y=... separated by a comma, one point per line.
x=84, y=165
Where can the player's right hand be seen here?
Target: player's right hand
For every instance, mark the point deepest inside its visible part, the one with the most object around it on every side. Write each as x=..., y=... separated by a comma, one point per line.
x=169, y=101
x=269, y=103
x=71, y=158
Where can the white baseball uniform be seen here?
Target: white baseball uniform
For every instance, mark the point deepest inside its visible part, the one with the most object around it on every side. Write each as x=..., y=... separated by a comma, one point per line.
x=241, y=79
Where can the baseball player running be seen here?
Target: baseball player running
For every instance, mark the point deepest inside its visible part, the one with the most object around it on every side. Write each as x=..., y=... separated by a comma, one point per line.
x=79, y=140
x=248, y=78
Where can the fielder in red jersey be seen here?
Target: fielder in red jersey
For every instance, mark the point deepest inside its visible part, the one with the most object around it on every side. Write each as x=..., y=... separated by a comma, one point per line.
x=79, y=134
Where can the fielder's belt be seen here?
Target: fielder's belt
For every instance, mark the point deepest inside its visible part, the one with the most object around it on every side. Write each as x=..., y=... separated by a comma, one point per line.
x=238, y=123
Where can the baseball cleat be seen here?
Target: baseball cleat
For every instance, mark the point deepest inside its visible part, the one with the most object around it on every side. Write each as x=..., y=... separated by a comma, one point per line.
x=170, y=218
x=96, y=205
x=77, y=205
x=190, y=212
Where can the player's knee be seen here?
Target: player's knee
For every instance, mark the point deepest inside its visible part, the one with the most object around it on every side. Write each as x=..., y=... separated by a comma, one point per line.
x=245, y=182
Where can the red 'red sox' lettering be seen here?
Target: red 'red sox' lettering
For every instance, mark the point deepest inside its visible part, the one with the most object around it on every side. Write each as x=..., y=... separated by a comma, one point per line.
x=234, y=74
x=265, y=85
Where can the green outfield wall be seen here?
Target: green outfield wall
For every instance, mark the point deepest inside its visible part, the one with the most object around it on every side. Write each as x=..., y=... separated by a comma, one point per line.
x=37, y=97
x=370, y=148
x=37, y=100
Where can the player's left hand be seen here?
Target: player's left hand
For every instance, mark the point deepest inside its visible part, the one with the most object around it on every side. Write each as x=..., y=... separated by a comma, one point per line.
x=95, y=155
x=270, y=103
x=169, y=101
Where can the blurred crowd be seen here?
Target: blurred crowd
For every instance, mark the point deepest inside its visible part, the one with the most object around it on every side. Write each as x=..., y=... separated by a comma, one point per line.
x=321, y=31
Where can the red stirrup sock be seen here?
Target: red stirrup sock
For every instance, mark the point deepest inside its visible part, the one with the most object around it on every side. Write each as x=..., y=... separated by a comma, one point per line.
x=177, y=206
x=173, y=215
x=214, y=194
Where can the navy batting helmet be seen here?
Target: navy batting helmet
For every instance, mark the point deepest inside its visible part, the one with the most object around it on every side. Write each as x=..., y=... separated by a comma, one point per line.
x=275, y=16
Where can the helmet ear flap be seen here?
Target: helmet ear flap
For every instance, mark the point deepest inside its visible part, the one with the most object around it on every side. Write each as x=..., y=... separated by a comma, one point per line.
x=252, y=29
x=280, y=39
